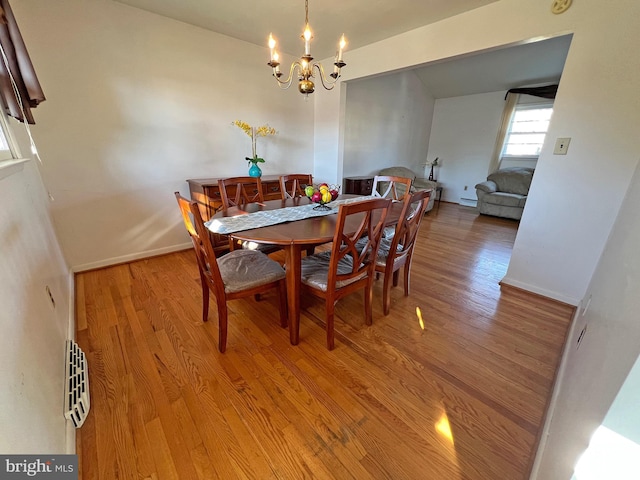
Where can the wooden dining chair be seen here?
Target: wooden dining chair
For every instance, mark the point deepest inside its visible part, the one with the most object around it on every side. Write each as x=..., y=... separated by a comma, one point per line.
x=397, y=252
x=238, y=274
x=387, y=186
x=240, y=191
x=292, y=186
x=394, y=188
x=333, y=274
x=236, y=191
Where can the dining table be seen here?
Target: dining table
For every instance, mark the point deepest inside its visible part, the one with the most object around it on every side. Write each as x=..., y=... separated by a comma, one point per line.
x=294, y=237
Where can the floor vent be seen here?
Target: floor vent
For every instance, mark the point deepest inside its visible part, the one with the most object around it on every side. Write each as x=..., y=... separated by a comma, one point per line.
x=77, y=398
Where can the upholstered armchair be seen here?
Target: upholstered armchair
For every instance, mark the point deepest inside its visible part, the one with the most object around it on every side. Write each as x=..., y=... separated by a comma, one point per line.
x=418, y=183
x=505, y=192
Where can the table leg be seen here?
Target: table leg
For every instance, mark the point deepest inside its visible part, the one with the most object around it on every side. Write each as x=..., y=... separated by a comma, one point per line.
x=293, y=268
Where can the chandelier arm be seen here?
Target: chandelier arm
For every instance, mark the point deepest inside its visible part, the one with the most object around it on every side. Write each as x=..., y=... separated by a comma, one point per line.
x=326, y=83
x=284, y=84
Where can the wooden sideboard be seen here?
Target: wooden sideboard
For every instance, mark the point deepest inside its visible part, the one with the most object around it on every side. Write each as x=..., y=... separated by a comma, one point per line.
x=206, y=193
x=358, y=185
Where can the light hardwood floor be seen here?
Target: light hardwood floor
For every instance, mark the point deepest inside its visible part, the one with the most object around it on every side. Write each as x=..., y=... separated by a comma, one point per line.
x=462, y=399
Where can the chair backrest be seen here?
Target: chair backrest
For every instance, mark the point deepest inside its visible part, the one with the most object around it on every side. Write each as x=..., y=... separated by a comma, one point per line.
x=292, y=186
x=201, y=241
x=387, y=186
x=240, y=191
x=373, y=213
x=413, y=210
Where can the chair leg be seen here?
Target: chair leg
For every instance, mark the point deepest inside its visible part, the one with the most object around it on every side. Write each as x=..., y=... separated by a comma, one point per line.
x=205, y=298
x=407, y=271
x=330, y=310
x=222, y=324
x=368, y=300
x=386, y=293
x=282, y=296
x=396, y=276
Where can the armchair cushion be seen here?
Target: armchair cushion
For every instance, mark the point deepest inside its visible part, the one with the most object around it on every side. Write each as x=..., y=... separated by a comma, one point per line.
x=513, y=180
x=506, y=199
x=398, y=172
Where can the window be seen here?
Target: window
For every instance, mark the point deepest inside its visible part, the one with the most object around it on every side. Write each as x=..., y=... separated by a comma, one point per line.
x=8, y=148
x=527, y=129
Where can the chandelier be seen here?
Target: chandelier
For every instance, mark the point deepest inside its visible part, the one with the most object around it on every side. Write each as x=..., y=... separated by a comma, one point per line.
x=306, y=65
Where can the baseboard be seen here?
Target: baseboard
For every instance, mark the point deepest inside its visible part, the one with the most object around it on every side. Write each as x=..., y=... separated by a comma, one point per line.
x=555, y=393
x=70, y=438
x=130, y=258
x=70, y=430
x=540, y=291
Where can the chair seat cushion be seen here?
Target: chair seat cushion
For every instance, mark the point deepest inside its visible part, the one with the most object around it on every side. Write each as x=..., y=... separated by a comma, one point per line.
x=244, y=269
x=315, y=271
x=505, y=199
x=383, y=251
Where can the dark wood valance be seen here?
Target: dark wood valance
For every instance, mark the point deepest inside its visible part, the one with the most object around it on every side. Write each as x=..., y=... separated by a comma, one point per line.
x=20, y=89
x=548, y=91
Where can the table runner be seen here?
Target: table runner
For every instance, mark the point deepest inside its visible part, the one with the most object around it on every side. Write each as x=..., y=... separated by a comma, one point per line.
x=265, y=218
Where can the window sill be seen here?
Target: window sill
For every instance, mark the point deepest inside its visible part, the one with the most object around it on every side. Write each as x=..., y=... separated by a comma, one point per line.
x=520, y=157
x=9, y=167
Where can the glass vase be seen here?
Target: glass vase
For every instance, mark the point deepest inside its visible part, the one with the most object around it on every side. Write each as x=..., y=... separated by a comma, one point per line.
x=254, y=170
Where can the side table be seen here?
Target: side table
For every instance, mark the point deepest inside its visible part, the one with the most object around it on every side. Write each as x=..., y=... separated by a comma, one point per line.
x=438, y=196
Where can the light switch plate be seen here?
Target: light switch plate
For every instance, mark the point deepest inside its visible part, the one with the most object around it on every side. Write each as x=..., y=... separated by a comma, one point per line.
x=562, y=145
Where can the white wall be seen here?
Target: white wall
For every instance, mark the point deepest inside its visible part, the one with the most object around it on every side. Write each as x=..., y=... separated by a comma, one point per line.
x=33, y=331
x=463, y=137
x=387, y=123
x=623, y=417
x=597, y=106
x=595, y=371
x=138, y=103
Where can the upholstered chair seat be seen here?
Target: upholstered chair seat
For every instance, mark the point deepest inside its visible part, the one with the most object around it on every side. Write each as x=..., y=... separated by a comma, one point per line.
x=315, y=271
x=245, y=269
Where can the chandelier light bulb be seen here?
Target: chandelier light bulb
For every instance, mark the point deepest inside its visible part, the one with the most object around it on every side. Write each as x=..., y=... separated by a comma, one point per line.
x=343, y=43
x=272, y=45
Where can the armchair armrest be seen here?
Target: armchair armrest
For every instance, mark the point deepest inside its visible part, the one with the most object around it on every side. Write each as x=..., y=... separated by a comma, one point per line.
x=487, y=187
x=423, y=184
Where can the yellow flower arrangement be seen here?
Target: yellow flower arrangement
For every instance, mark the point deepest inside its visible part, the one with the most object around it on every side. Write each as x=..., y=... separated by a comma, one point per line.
x=254, y=133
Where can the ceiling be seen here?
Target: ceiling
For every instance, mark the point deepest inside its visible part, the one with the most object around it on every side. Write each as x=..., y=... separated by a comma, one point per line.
x=362, y=21
x=529, y=64
x=367, y=21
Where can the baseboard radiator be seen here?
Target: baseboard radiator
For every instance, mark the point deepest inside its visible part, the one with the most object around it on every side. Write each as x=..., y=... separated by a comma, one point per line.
x=77, y=385
x=468, y=202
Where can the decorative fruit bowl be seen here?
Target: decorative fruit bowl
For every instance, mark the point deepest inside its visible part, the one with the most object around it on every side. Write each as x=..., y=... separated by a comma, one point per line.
x=322, y=194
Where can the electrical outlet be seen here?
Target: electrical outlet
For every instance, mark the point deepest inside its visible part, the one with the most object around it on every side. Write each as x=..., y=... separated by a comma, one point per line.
x=465, y=188
x=581, y=337
x=51, y=299
x=562, y=146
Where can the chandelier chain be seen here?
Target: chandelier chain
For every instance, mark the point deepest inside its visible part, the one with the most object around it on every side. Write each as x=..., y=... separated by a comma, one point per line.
x=306, y=12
